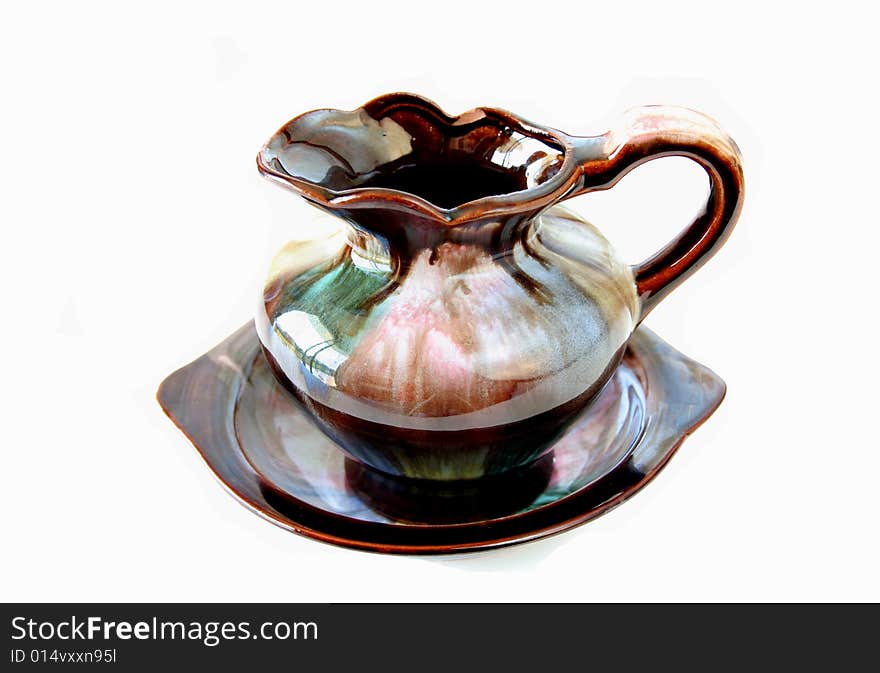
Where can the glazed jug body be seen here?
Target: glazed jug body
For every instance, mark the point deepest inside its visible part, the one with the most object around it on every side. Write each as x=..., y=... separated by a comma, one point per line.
x=471, y=361
x=460, y=320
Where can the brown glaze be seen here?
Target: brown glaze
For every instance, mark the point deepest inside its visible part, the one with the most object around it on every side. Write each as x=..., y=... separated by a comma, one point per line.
x=654, y=132
x=236, y=414
x=429, y=501
x=497, y=448
x=467, y=320
x=442, y=143
x=420, y=199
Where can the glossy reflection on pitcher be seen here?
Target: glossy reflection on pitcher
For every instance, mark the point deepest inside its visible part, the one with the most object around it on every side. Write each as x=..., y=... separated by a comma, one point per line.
x=461, y=320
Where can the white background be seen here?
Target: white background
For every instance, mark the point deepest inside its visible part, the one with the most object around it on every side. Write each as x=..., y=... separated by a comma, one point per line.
x=136, y=233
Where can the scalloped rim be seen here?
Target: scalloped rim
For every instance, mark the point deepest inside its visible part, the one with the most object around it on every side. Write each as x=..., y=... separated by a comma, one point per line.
x=530, y=199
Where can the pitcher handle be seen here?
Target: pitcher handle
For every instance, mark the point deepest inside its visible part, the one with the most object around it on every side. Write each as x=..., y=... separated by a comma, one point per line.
x=651, y=132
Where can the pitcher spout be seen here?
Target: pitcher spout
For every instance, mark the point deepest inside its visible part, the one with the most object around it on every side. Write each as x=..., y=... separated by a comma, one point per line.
x=401, y=168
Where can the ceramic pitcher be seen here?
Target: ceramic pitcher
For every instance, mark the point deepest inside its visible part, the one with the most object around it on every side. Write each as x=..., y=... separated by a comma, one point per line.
x=461, y=319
